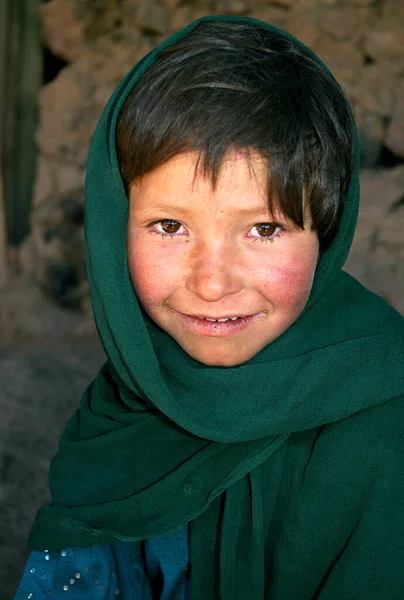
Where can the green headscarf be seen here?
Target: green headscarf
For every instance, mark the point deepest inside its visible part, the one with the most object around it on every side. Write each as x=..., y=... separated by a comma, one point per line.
x=161, y=440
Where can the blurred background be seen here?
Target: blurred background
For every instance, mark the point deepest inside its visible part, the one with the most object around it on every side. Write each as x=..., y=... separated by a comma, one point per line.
x=59, y=62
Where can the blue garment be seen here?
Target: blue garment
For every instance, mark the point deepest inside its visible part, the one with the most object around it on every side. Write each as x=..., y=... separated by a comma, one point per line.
x=150, y=570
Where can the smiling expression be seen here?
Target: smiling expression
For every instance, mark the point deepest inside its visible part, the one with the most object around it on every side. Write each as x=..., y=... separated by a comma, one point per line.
x=196, y=252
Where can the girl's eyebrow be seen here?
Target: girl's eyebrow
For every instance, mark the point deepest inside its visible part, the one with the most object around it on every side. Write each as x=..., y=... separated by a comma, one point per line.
x=245, y=212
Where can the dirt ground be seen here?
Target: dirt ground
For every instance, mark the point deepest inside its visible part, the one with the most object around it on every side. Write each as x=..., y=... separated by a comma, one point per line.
x=41, y=384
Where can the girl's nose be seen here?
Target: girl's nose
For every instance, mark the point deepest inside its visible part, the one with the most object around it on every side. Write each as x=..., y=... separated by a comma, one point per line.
x=214, y=271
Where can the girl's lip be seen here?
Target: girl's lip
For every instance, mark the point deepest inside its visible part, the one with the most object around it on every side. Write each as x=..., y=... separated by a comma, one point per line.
x=218, y=318
x=219, y=329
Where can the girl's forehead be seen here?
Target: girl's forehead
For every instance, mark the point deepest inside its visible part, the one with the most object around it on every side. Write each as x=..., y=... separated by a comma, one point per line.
x=242, y=182
x=191, y=170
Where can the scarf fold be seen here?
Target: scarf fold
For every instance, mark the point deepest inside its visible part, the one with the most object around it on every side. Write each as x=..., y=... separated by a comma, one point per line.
x=161, y=440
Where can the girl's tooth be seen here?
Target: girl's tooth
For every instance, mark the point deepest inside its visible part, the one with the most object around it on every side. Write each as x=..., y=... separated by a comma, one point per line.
x=222, y=320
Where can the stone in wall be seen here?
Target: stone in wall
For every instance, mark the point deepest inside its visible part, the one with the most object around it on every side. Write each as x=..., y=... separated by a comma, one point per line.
x=344, y=60
x=69, y=26
x=153, y=17
x=385, y=39
x=377, y=254
x=62, y=32
x=375, y=89
x=395, y=131
x=54, y=252
x=233, y=7
x=337, y=23
x=371, y=136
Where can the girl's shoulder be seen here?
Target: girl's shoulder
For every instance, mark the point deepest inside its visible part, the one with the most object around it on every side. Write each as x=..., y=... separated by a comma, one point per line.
x=350, y=456
x=378, y=431
x=364, y=449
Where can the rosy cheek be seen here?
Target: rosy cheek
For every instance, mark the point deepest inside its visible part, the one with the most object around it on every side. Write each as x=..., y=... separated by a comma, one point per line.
x=151, y=273
x=288, y=283
x=146, y=285
x=142, y=272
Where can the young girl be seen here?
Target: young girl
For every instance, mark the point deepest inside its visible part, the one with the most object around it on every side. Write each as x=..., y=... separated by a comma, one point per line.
x=245, y=437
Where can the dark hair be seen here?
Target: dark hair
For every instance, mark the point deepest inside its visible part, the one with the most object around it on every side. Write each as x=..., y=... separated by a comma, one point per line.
x=237, y=86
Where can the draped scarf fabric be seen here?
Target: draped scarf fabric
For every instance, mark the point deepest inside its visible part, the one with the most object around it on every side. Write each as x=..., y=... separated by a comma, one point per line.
x=161, y=440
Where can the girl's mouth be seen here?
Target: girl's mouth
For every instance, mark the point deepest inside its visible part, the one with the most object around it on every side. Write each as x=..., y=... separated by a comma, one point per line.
x=220, y=327
x=221, y=320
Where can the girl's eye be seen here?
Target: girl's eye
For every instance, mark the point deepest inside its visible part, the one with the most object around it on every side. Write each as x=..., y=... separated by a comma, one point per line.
x=165, y=227
x=170, y=227
x=266, y=231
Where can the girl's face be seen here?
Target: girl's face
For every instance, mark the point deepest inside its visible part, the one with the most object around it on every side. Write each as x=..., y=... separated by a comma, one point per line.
x=213, y=268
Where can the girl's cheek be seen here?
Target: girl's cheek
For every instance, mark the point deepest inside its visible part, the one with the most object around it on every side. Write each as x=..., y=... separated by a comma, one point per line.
x=145, y=280
x=289, y=282
x=146, y=285
x=151, y=274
